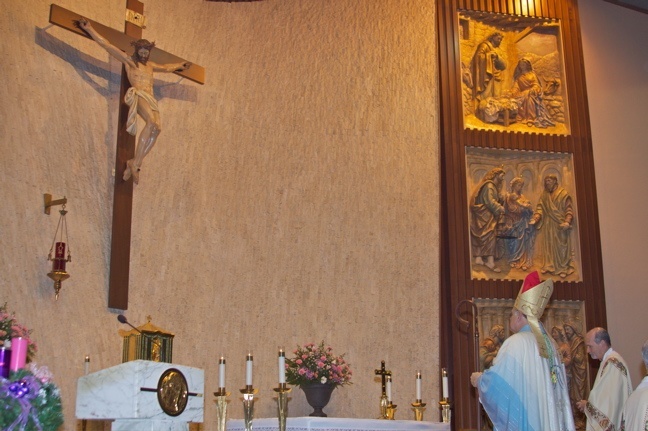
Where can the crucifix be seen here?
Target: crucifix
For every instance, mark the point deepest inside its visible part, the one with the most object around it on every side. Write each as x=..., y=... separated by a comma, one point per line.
x=125, y=167
x=383, y=373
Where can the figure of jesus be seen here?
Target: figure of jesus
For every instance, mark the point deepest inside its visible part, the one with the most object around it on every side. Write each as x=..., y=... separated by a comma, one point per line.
x=139, y=96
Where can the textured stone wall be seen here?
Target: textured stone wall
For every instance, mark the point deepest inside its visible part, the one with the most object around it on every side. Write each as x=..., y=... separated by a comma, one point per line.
x=292, y=198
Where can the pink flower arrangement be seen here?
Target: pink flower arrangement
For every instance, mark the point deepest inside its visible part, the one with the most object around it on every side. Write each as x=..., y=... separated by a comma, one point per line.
x=316, y=363
x=10, y=328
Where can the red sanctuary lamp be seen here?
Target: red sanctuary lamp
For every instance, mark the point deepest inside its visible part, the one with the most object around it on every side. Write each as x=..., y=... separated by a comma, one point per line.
x=59, y=261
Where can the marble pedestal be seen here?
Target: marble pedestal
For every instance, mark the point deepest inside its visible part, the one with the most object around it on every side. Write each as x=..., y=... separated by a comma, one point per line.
x=148, y=425
x=126, y=393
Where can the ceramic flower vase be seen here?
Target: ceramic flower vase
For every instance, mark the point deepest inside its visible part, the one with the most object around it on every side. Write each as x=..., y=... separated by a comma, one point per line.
x=318, y=395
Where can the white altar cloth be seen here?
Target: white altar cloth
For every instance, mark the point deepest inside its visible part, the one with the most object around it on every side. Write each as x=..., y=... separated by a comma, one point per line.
x=337, y=424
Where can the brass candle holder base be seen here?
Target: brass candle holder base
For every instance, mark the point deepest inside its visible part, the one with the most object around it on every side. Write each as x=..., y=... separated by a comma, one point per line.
x=58, y=277
x=391, y=411
x=446, y=414
x=282, y=404
x=221, y=408
x=419, y=407
x=384, y=402
x=248, y=405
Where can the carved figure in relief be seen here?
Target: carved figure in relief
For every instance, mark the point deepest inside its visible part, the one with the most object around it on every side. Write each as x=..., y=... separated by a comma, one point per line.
x=554, y=215
x=490, y=346
x=518, y=235
x=564, y=349
x=576, y=368
x=486, y=209
x=140, y=96
x=527, y=92
x=486, y=68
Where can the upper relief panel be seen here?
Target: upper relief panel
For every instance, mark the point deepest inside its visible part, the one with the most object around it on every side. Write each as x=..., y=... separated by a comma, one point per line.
x=512, y=73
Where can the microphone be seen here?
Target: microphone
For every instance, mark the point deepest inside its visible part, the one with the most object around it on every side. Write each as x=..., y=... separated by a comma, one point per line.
x=122, y=319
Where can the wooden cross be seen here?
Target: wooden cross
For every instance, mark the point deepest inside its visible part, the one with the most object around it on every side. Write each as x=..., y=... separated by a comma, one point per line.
x=123, y=192
x=383, y=373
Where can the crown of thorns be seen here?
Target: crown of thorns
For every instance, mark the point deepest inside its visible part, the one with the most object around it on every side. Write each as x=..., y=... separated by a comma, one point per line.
x=143, y=43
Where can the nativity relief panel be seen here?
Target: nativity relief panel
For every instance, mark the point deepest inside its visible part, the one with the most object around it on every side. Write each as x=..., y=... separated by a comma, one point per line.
x=522, y=213
x=512, y=73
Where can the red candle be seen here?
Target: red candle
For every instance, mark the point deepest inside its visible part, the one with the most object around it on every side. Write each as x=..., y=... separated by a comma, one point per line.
x=59, y=257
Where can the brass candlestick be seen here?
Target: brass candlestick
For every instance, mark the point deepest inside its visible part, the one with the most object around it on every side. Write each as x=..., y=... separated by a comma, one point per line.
x=248, y=405
x=419, y=407
x=384, y=403
x=282, y=404
x=391, y=411
x=445, y=410
x=221, y=408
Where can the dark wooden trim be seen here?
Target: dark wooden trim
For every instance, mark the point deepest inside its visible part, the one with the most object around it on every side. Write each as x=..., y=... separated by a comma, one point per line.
x=123, y=192
x=456, y=283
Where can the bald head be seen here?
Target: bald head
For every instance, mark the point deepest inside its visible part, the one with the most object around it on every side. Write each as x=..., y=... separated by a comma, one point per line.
x=598, y=342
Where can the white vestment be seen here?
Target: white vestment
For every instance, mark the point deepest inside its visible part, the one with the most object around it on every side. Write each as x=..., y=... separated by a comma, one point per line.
x=523, y=391
x=635, y=412
x=611, y=389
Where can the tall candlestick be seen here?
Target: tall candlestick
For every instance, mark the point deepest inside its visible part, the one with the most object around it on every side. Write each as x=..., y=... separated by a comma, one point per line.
x=418, y=385
x=388, y=388
x=221, y=372
x=282, y=366
x=248, y=369
x=444, y=379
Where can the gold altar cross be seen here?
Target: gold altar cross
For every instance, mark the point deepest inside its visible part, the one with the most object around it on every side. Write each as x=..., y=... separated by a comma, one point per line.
x=383, y=373
x=123, y=191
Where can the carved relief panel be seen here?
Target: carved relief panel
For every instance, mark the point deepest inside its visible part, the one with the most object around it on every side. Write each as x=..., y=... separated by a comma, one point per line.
x=512, y=73
x=563, y=320
x=523, y=214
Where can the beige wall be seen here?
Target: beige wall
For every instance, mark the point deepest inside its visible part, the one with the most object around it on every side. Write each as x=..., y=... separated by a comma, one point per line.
x=292, y=198
x=616, y=66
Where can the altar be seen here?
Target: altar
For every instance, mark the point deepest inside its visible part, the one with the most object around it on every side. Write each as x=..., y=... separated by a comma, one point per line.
x=338, y=424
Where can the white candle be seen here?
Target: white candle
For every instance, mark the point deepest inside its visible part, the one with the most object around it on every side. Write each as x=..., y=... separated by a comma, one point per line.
x=86, y=365
x=388, y=388
x=418, y=385
x=221, y=372
x=248, y=369
x=444, y=379
x=282, y=366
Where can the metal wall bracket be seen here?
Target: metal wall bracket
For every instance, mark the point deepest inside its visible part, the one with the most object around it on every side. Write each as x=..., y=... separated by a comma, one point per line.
x=50, y=203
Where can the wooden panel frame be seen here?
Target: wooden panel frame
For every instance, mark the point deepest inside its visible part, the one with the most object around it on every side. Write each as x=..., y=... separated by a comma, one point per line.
x=457, y=350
